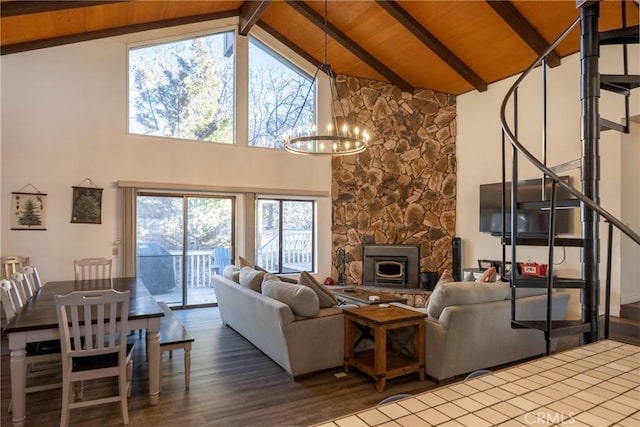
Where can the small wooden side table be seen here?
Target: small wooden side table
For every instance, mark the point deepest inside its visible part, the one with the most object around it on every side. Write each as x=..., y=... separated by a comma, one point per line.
x=380, y=363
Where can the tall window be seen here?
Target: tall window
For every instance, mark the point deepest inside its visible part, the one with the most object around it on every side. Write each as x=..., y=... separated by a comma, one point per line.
x=285, y=235
x=184, y=89
x=277, y=91
x=182, y=241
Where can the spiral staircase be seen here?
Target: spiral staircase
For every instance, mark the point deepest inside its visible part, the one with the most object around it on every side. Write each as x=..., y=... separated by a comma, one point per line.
x=586, y=199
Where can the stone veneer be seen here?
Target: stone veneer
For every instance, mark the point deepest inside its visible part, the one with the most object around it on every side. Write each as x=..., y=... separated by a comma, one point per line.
x=402, y=189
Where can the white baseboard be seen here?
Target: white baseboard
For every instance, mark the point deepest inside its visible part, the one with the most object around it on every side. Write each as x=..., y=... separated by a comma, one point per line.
x=629, y=299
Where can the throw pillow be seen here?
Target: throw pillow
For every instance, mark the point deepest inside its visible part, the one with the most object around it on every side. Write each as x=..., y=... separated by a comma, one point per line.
x=232, y=272
x=243, y=262
x=252, y=279
x=469, y=277
x=326, y=297
x=489, y=275
x=445, y=278
x=301, y=299
x=288, y=279
x=257, y=267
x=270, y=276
x=459, y=293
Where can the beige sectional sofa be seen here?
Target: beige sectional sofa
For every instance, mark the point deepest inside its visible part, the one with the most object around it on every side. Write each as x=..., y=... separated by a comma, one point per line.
x=469, y=328
x=300, y=345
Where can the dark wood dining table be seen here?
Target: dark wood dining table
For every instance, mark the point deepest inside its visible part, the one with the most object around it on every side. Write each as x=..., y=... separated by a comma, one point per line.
x=37, y=321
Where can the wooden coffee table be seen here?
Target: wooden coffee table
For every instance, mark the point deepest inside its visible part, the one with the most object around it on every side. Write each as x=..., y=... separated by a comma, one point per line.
x=383, y=362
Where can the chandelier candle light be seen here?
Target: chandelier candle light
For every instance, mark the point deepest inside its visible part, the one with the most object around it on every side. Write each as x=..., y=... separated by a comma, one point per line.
x=340, y=139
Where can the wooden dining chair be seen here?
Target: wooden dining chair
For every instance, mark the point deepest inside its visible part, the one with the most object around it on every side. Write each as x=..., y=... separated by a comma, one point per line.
x=10, y=297
x=12, y=264
x=92, y=268
x=94, y=348
x=24, y=288
x=32, y=277
x=43, y=358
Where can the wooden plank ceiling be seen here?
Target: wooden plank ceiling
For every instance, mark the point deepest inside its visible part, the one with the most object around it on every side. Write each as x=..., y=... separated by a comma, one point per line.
x=448, y=46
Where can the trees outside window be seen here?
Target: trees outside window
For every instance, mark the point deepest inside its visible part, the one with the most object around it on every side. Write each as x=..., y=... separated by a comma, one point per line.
x=285, y=235
x=277, y=91
x=183, y=89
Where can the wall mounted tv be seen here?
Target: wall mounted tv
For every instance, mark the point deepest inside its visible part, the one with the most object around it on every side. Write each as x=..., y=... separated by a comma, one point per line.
x=531, y=222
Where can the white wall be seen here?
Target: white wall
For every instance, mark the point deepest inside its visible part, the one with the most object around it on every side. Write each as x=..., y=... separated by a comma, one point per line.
x=630, y=274
x=479, y=148
x=64, y=118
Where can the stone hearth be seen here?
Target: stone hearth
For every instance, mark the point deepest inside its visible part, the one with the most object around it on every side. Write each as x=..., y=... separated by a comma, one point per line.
x=415, y=297
x=402, y=189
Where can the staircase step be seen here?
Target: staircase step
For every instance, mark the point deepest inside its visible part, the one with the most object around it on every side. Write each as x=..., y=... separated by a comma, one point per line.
x=566, y=166
x=625, y=81
x=541, y=282
x=621, y=90
x=609, y=125
x=630, y=311
x=566, y=203
x=559, y=328
x=626, y=35
x=622, y=329
x=574, y=242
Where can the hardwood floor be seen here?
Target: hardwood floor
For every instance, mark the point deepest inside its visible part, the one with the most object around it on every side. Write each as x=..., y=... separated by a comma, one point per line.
x=232, y=384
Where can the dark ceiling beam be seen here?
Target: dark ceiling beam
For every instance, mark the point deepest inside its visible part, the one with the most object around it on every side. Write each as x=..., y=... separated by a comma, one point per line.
x=288, y=43
x=250, y=13
x=15, y=8
x=352, y=46
x=435, y=45
x=524, y=30
x=112, y=32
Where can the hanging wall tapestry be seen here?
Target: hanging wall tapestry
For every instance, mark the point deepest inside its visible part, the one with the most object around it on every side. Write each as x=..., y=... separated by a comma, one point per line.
x=28, y=210
x=87, y=204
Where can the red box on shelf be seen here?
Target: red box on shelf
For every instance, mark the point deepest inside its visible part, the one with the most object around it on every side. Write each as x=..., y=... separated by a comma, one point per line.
x=533, y=269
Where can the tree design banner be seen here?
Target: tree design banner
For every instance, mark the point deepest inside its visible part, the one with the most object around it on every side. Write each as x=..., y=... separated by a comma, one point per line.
x=87, y=205
x=28, y=211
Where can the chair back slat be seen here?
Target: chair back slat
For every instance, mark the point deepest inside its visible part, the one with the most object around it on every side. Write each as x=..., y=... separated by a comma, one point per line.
x=92, y=268
x=11, y=264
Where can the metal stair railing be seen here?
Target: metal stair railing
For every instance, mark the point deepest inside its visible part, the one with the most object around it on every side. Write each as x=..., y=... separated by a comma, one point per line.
x=586, y=202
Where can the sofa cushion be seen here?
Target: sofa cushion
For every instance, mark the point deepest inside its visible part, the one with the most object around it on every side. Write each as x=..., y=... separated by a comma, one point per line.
x=232, y=272
x=528, y=292
x=325, y=296
x=252, y=279
x=459, y=293
x=301, y=299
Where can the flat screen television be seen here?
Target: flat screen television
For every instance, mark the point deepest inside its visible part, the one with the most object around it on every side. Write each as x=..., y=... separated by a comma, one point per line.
x=531, y=222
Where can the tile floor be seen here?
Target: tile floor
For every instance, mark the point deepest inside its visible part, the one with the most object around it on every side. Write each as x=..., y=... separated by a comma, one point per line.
x=594, y=385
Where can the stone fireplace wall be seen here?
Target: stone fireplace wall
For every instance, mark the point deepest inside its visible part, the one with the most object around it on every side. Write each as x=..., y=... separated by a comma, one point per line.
x=402, y=189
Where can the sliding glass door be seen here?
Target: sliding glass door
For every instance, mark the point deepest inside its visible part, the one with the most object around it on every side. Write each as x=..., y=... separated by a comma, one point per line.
x=182, y=241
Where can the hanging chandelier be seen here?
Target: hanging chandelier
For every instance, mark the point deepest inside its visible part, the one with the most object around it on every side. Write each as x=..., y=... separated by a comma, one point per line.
x=340, y=138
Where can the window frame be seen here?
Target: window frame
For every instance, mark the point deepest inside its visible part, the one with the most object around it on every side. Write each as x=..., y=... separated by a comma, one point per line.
x=289, y=63
x=314, y=229
x=225, y=28
x=241, y=69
